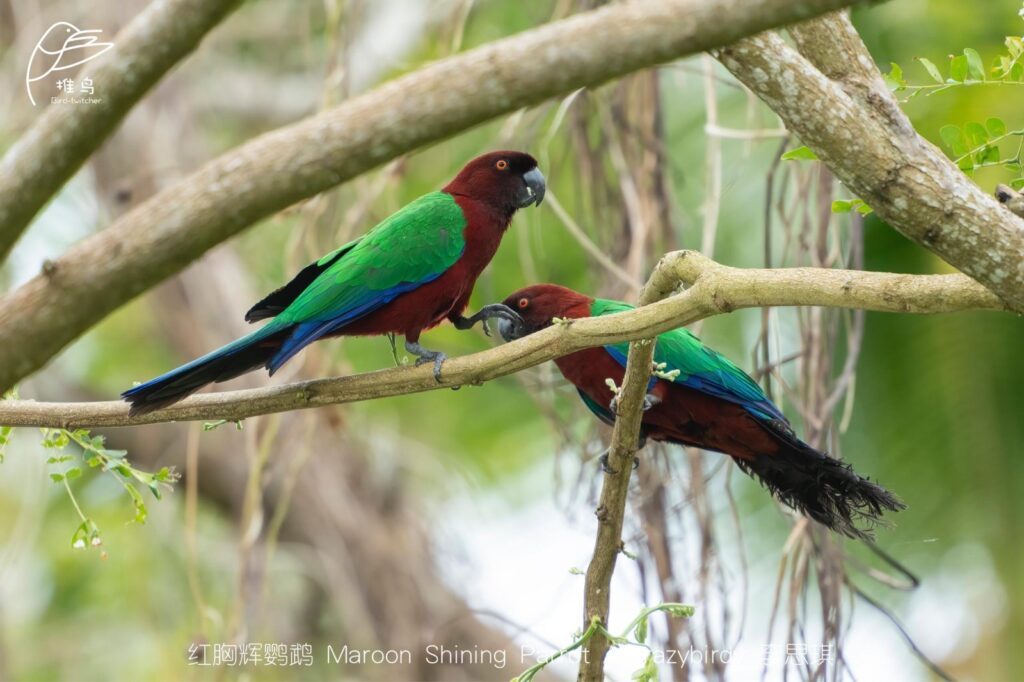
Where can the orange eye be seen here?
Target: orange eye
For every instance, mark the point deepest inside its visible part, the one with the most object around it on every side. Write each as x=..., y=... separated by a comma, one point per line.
x=523, y=302
x=501, y=165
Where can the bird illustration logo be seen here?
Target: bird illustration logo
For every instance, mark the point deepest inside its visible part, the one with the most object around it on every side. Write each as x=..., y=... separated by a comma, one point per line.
x=63, y=46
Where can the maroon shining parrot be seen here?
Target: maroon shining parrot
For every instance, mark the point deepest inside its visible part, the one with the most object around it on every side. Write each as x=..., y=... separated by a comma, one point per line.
x=710, y=404
x=411, y=272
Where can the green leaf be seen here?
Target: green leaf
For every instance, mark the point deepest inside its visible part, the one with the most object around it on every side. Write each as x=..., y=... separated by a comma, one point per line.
x=996, y=127
x=932, y=70
x=1017, y=183
x=140, y=504
x=953, y=137
x=648, y=673
x=56, y=478
x=975, y=67
x=640, y=631
x=73, y=473
x=976, y=134
x=966, y=164
x=679, y=610
x=958, y=68
x=841, y=206
x=1017, y=71
x=894, y=79
x=800, y=154
x=990, y=154
x=1015, y=46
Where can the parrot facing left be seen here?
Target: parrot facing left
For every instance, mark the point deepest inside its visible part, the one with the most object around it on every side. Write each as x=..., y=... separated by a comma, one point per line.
x=407, y=274
x=710, y=404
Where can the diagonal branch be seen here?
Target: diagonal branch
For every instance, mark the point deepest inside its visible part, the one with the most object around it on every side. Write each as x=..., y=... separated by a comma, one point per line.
x=63, y=137
x=834, y=99
x=164, y=234
x=712, y=289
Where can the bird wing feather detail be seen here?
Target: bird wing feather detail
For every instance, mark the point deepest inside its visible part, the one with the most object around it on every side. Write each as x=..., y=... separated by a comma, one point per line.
x=700, y=367
x=412, y=247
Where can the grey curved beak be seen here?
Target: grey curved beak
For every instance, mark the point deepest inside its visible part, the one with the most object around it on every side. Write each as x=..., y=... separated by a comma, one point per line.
x=535, y=188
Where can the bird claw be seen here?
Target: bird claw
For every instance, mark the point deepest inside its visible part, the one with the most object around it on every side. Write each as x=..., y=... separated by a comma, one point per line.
x=500, y=311
x=650, y=400
x=608, y=470
x=436, y=357
x=423, y=356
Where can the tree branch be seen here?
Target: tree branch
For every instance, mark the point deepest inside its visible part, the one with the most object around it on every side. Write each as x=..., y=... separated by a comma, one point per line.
x=855, y=126
x=712, y=289
x=611, y=510
x=63, y=137
x=162, y=235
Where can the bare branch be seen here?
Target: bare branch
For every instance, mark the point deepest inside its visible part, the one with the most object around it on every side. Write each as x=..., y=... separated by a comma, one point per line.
x=855, y=126
x=713, y=289
x=162, y=235
x=611, y=510
x=63, y=137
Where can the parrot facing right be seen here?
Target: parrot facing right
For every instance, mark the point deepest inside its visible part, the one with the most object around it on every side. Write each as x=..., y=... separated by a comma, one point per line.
x=711, y=404
x=409, y=273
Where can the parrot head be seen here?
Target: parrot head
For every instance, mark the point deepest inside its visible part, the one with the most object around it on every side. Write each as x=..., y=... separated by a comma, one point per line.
x=507, y=180
x=538, y=305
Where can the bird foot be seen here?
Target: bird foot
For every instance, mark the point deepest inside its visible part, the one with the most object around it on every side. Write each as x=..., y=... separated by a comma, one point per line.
x=424, y=355
x=605, y=467
x=490, y=312
x=650, y=400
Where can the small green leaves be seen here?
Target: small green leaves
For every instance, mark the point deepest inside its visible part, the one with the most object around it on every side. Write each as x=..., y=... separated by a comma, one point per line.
x=640, y=631
x=894, y=79
x=858, y=205
x=86, y=535
x=5, y=438
x=954, y=138
x=98, y=456
x=637, y=628
x=975, y=68
x=932, y=70
x=958, y=68
x=800, y=154
x=977, y=145
x=648, y=673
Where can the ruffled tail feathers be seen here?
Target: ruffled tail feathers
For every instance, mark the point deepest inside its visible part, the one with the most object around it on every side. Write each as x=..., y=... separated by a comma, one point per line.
x=824, y=489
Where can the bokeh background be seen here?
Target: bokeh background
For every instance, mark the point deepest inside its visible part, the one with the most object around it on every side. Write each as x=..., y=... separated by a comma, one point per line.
x=460, y=518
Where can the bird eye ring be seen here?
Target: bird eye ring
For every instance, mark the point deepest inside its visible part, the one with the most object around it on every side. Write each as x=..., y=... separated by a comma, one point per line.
x=501, y=165
x=523, y=302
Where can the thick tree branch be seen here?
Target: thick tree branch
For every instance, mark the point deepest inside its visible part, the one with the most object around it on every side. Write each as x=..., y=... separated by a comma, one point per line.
x=712, y=289
x=834, y=99
x=63, y=137
x=162, y=235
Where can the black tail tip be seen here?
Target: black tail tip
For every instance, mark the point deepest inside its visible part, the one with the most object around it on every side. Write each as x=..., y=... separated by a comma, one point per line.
x=825, y=490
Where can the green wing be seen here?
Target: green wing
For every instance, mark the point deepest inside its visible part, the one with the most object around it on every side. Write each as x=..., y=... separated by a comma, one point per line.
x=700, y=367
x=410, y=248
